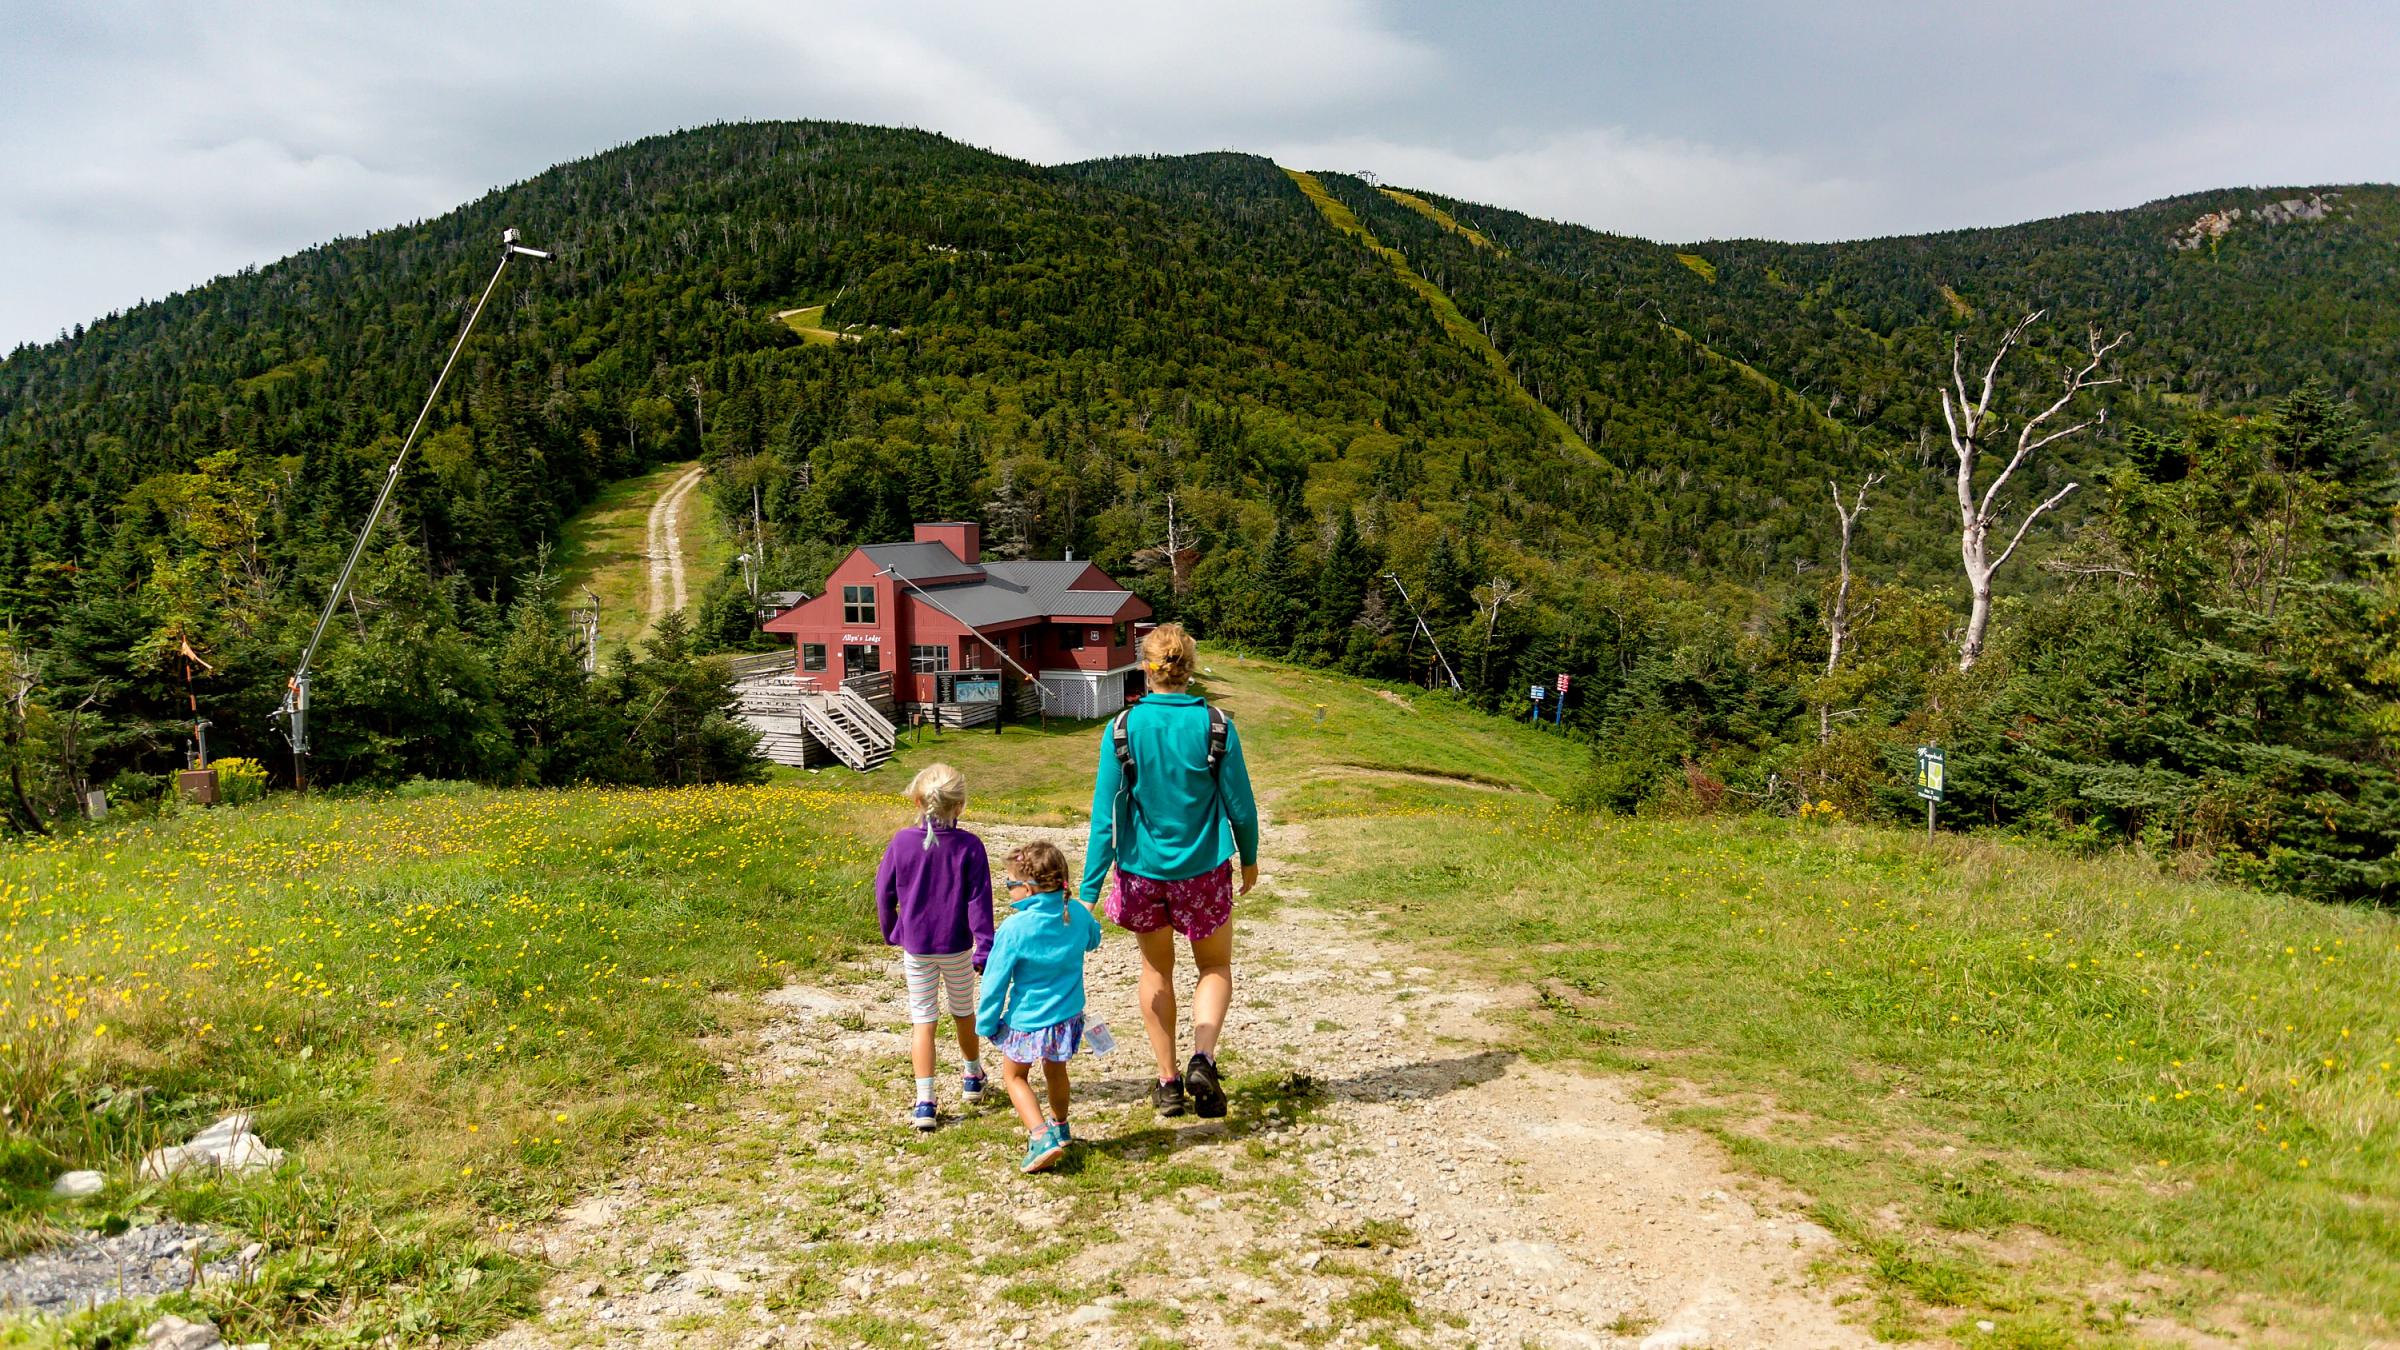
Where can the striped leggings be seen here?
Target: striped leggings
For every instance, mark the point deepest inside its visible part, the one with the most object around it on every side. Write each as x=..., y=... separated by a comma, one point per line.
x=929, y=977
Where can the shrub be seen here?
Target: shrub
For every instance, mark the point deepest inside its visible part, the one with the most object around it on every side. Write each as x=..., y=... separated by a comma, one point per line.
x=239, y=781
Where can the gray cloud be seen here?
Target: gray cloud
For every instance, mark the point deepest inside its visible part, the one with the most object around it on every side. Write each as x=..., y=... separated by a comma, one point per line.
x=145, y=147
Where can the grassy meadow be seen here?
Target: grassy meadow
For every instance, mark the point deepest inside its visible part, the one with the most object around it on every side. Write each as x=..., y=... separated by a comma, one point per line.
x=2075, y=1098
x=2060, y=1095
x=458, y=1008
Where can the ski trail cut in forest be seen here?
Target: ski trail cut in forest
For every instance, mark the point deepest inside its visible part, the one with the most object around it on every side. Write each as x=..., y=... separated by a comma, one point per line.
x=1700, y=266
x=613, y=551
x=809, y=322
x=666, y=549
x=1345, y=221
x=1391, y=1172
x=1444, y=219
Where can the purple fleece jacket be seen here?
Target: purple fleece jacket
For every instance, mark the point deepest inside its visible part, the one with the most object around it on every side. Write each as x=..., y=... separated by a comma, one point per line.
x=936, y=901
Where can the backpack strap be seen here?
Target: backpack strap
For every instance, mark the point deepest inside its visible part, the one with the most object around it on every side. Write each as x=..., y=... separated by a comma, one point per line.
x=1123, y=743
x=1219, y=728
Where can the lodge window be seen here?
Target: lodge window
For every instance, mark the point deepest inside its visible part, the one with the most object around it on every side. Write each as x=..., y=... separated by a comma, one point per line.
x=929, y=660
x=1070, y=639
x=970, y=654
x=1116, y=637
x=812, y=656
x=858, y=606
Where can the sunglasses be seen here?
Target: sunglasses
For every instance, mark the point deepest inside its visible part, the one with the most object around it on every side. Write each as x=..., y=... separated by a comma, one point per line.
x=1014, y=883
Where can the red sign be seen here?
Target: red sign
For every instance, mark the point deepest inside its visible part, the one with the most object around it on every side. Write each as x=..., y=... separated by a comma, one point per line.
x=1562, y=684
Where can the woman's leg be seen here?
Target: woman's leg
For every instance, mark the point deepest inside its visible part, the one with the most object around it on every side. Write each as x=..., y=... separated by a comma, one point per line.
x=1054, y=1077
x=1020, y=1093
x=1157, y=989
x=1213, y=995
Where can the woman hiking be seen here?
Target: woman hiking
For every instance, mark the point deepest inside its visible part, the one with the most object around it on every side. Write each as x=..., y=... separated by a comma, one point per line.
x=1170, y=807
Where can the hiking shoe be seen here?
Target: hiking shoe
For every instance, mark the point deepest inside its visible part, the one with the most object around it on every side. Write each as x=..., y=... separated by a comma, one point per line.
x=971, y=1087
x=1066, y=1132
x=924, y=1117
x=1208, y=1095
x=1168, y=1097
x=1043, y=1150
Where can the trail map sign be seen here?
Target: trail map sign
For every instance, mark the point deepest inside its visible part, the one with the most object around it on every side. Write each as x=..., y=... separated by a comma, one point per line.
x=1929, y=783
x=978, y=689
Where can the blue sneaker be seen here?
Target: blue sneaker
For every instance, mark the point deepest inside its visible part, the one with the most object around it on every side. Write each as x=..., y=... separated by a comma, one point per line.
x=1066, y=1132
x=924, y=1117
x=971, y=1087
x=1044, y=1149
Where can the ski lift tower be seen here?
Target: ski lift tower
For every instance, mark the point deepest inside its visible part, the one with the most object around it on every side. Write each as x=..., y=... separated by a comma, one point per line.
x=294, y=712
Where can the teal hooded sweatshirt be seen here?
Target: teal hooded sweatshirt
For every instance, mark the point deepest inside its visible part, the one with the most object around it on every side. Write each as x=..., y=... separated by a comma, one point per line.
x=1033, y=979
x=1178, y=822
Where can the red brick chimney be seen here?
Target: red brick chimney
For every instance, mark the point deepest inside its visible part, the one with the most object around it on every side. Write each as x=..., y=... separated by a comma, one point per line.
x=964, y=537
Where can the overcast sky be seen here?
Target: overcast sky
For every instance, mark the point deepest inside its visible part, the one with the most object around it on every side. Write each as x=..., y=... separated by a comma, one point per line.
x=146, y=147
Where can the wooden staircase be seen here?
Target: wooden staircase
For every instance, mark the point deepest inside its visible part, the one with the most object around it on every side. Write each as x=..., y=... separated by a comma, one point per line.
x=807, y=728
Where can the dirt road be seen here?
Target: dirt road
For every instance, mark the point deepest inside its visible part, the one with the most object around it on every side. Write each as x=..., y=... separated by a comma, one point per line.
x=665, y=549
x=1389, y=1170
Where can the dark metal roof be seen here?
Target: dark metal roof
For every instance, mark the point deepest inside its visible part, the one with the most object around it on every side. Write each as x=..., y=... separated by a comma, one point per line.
x=920, y=562
x=1011, y=592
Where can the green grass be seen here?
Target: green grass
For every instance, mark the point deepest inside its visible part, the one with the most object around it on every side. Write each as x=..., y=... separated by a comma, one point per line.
x=1377, y=746
x=457, y=1009
x=2016, y=1085
x=2013, y=1081
x=604, y=549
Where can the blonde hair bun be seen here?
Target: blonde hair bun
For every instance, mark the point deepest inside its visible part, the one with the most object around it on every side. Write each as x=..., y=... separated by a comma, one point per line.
x=1169, y=654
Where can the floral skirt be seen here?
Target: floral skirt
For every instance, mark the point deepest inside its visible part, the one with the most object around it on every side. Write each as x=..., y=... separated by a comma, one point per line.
x=1056, y=1044
x=1195, y=906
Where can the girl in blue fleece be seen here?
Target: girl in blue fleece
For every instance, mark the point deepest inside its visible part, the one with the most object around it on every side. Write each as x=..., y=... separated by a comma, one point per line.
x=1032, y=1005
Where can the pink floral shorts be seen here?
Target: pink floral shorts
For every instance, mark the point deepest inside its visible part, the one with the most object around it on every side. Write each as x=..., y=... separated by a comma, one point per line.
x=1196, y=906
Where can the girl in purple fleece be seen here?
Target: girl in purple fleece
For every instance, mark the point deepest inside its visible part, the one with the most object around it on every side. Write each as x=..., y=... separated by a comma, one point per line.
x=934, y=894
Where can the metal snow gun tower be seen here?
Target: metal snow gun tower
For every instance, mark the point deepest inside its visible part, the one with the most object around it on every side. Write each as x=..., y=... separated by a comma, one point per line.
x=294, y=712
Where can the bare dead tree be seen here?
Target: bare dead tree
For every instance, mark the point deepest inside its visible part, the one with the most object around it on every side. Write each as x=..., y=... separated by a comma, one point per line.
x=1969, y=420
x=1837, y=624
x=1179, y=552
x=1490, y=598
x=21, y=678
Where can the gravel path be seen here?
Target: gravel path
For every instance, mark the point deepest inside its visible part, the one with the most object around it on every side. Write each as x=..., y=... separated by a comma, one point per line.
x=667, y=590
x=155, y=1259
x=1389, y=1171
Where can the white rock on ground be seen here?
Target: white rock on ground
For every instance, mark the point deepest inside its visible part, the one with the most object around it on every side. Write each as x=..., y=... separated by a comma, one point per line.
x=228, y=1146
x=75, y=1185
x=173, y=1333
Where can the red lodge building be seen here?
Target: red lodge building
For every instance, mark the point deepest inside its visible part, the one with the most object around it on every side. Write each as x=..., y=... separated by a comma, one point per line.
x=930, y=609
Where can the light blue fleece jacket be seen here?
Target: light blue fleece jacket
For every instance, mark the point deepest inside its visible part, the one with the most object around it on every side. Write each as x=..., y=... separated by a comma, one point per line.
x=1178, y=822
x=1034, y=977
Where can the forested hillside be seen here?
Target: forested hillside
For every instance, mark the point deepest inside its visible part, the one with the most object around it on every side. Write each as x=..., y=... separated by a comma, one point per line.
x=1061, y=353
